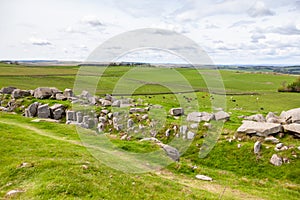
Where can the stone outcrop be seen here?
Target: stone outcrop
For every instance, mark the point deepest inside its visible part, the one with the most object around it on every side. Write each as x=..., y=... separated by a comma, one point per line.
x=17, y=93
x=7, y=90
x=291, y=116
x=200, y=116
x=45, y=92
x=259, y=128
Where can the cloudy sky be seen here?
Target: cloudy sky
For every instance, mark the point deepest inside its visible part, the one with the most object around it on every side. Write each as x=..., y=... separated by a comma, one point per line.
x=230, y=31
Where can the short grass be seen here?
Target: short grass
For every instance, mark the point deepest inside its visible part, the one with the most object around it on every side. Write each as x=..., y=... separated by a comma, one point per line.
x=57, y=156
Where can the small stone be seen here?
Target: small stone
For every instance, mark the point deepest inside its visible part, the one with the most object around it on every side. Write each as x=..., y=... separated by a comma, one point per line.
x=257, y=147
x=298, y=148
x=276, y=160
x=124, y=137
x=207, y=125
x=239, y=146
x=85, y=167
x=203, y=177
x=194, y=126
x=14, y=192
x=279, y=145
x=176, y=111
x=190, y=135
x=271, y=139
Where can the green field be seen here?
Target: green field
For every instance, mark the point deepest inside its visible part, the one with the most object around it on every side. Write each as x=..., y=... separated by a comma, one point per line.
x=62, y=168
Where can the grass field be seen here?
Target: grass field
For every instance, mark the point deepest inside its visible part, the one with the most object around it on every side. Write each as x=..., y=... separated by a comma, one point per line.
x=61, y=168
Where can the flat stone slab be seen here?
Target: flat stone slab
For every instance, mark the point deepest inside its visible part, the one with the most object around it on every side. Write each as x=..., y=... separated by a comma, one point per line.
x=259, y=128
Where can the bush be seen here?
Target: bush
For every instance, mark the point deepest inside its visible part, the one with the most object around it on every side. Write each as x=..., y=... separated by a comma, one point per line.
x=293, y=87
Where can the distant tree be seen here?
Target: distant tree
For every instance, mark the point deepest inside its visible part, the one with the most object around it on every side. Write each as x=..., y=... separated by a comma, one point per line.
x=293, y=87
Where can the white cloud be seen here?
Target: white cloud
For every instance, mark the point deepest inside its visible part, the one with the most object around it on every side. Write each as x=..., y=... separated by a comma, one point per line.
x=260, y=10
x=92, y=20
x=39, y=41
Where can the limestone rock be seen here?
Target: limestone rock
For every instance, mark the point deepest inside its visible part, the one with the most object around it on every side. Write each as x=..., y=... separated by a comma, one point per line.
x=271, y=139
x=276, y=160
x=259, y=128
x=295, y=128
x=31, y=111
x=68, y=93
x=190, y=135
x=116, y=103
x=137, y=110
x=171, y=151
x=203, y=177
x=272, y=118
x=7, y=90
x=58, y=114
x=257, y=147
x=43, y=111
x=60, y=97
x=257, y=118
x=291, y=116
x=71, y=115
x=17, y=93
x=221, y=115
x=176, y=111
x=45, y=92
x=200, y=116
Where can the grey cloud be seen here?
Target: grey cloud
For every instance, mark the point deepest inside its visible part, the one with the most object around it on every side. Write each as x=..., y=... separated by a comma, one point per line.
x=286, y=30
x=257, y=36
x=241, y=23
x=260, y=10
x=92, y=21
x=211, y=26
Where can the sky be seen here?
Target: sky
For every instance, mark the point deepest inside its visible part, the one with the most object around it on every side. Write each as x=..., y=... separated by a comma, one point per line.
x=229, y=31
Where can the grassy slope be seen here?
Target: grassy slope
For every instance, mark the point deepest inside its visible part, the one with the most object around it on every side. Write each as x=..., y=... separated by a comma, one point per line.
x=239, y=171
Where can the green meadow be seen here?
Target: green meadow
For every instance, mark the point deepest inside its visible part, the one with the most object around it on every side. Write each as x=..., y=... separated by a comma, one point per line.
x=60, y=167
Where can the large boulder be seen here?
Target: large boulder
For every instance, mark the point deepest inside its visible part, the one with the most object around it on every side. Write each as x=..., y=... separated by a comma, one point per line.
x=176, y=111
x=221, y=115
x=57, y=111
x=43, y=111
x=200, y=116
x=17, y=93
x=45, y=92
x=7, y=90
x=32, y=110
x=259, y=128
x=291, y=116
x=71, y=115
x=295, y=128
x=272, y=118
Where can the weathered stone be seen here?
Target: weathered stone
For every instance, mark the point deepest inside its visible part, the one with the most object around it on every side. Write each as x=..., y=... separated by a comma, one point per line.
x=203, y=177
x=58, y=113
x=45, y=92
x=276, y=160
x=31, y=111
x=151, y=139
x=200, y=116
x=7, y=90
x=183, y=130
x=43, y=111
x=194, y=126
x=116, y=103
x=259, y=128
x=295, y=128
x=85, y=94
x=176, y=111
x=257, y=147
x=79, y=117
x=105, y=103
x=144, y=117
x=17, y=93
x=56, y=106
x=101, y=127
x=279, y=145
x=68, y=92
x=257, y=118
x=71, y=115
x=221, y=115
x=170, y=151
x=60, y=97
x=92, y=100
x=272, y=118
x=271, y=139
x=102, y=119
x=291, y=116
x=137, y=110
x=130, y=123
x=190, y=135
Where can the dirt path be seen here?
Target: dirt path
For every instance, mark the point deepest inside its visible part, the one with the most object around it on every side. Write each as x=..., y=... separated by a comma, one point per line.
x=223, y=191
